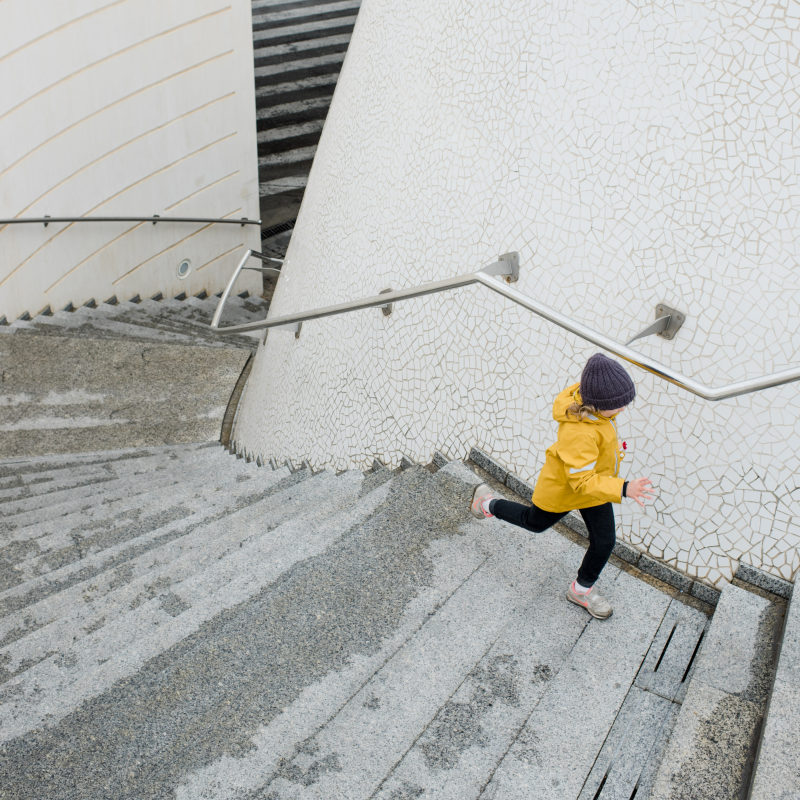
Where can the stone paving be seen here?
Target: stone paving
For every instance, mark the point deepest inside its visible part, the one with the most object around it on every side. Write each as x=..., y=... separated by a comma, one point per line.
x=189, y=625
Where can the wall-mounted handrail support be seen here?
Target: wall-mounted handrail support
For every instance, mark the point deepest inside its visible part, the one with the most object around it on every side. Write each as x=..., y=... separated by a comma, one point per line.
x=668, y=323
x=507, y=266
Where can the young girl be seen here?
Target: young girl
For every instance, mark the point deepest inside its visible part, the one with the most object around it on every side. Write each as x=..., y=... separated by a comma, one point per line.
x=581, y=471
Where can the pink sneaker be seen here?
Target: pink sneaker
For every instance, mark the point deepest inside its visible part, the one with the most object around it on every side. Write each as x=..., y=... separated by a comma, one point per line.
x=592, y=601
x=482, y=492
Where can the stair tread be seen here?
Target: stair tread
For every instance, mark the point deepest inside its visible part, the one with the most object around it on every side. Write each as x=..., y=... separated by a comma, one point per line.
x=35, y=550
x=154, y=534
x=293, y=629
x=777, y=771
x=231, y=579
x=47, y=481
x=13, y=467
x=126, y=475
x=172, y=565
x=709, y=752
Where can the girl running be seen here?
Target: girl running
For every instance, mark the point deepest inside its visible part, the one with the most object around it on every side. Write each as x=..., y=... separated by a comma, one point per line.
x=581, y=472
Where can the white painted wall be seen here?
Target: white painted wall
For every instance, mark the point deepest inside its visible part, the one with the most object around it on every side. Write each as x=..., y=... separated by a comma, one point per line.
x=633, y=153
x=124, y=108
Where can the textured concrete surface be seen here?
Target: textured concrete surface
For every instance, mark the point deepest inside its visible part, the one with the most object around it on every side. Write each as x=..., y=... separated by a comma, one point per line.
x=711, y=751
x=770, y=583
x=292, y=636
x=777, y=771
x=92, y=394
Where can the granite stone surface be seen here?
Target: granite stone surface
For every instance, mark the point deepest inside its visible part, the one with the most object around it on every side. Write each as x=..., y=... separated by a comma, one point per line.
x=488, y=464
x=91, y=394
x=776, y=775
x=667, y=669
x=547, y=760
x=770, y=583
x=713, y=744
x=642, y=722
x=738, y=652
x=664, y=573
x=711, y=749
x=708, y=594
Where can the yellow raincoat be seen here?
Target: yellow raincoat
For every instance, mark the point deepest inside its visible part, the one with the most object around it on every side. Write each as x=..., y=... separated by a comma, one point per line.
x=582, y=468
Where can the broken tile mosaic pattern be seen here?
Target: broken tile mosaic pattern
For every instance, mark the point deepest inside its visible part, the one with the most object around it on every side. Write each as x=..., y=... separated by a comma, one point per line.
x=637, y=154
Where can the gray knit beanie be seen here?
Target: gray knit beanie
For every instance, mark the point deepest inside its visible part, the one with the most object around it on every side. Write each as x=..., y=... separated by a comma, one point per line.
x=605, y=384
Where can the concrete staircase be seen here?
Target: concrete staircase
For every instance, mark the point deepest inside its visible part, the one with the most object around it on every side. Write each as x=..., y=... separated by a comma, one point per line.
x=119, y=374
x=176, y=622
x=299, y=47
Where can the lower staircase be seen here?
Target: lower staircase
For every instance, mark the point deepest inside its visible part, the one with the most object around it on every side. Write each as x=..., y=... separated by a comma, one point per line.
x=178, y=623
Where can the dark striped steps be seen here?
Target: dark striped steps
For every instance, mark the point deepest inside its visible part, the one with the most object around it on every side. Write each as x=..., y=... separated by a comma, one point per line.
x=299, y=48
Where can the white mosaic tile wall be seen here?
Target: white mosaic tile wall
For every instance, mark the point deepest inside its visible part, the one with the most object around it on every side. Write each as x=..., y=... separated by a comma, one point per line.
x=633, y=153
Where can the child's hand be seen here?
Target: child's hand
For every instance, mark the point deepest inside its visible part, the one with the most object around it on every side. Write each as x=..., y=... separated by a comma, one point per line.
x=640, y=490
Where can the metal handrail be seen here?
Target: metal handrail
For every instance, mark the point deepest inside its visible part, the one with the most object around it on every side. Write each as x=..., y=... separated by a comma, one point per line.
x=507, y=266
x=155, y=218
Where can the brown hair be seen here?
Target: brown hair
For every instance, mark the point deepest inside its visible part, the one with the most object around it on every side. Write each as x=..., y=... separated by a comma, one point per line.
x=581, y=411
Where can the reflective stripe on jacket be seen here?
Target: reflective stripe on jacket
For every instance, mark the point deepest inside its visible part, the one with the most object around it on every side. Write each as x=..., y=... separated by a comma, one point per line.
x=582, y=468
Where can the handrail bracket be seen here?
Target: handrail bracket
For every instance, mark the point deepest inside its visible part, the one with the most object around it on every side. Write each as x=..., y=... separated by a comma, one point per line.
x=506, y=266
x=668, y=323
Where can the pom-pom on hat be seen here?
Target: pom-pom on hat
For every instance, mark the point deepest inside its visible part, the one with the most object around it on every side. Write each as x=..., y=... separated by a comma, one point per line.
x=605, y=384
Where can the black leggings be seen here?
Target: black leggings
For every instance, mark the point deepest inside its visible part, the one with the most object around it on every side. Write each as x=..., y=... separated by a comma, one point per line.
x=599, y=520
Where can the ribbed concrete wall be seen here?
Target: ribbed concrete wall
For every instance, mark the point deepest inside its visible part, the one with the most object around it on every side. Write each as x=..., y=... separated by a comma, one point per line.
x=633, y=154
x=126, y=108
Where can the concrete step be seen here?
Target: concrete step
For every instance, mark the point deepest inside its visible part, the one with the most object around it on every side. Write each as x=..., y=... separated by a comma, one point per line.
x=98, y=325
x=75, y=483
x=432, y=711
x=265, y=16
x=269, y=38
x=299, y=69
x=273, y=163
x=57, y=541
x=28, y=479
x=344, y=636
x=281, y=141
x=279, y=185
x=776, y=774
x=711, y=749
x=131, y=477
x=295, y=555
x=52, y=688
x=86, y=582
x=634, y=746
x=92, y=393
x=273, y=6
x=292, y=113
x=171, y=321
x=20, y=470
x=283, y=95
x=63, y=620
x=291, y=52
x=145, y=532
x=306, y=86
x=113, y=500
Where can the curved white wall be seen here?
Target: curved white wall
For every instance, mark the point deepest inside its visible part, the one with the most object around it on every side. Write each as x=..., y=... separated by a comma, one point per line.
x=633, y=153
x=125, y=108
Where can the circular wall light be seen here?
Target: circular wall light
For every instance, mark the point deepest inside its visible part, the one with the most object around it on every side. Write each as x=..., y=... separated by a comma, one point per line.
x=184, y=268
